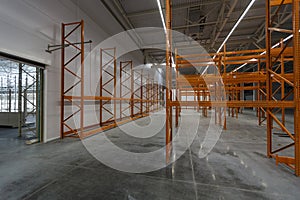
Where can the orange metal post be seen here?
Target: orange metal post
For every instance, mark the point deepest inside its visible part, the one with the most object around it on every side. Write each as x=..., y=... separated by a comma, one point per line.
x=296, y=52
x=282, y=84
x=269, y=82
x=62, y=82
x=142, y=94
x=177, y=92
x=82, y=79
x=168, y=73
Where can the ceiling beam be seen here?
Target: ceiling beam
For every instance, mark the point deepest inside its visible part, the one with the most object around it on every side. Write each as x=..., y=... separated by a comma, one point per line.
x=224, y=23
x=219, y=20
x=175, y=7
x=260, y=32
x=115, y=9
x=215, y=22
x=233, y=40
x=123, y=13
x=120, y=9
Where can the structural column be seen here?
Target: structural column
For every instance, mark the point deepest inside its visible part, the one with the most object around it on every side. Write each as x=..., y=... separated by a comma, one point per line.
x=296, y=45
x=20, y=100
x=168, y=73
x=269, y=81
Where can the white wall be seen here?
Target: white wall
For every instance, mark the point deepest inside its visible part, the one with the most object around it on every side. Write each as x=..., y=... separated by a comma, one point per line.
x=28, y=26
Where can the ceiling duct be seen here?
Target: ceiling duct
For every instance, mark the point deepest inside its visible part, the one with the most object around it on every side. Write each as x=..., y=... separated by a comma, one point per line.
x=196, y=16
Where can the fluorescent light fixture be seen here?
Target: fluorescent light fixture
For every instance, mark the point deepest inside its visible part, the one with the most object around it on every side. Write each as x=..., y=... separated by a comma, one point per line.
x=164, y=64
x=236, y=24
x=240, y=67
x=164, y=25
x=205, y=70
x=274, y=46
x=277, y=44
x=161, y=15
x=148, y=65
x=172, y=59
x=232, y=30
x=253, y=59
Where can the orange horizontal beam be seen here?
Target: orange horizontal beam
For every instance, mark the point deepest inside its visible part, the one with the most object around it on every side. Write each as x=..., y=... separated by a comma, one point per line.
x=93, y=98
x=227, y=88
x=285, y=160
x=249, y=104
x=107, y=127
x=252, y=77
x=278, y=2
x=235, y=57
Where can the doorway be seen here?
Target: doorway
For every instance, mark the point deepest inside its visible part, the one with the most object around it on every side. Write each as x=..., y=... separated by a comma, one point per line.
x=21, y=99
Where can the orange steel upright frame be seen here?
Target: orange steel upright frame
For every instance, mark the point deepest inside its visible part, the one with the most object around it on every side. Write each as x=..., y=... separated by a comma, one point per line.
x=137, y=94
x=273, y=74
x=66, y=67
x=105, y=85
x=125, y=89
x=145, y=93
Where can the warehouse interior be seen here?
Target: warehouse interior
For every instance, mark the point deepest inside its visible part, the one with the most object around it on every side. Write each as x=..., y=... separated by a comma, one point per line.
x=150, y=99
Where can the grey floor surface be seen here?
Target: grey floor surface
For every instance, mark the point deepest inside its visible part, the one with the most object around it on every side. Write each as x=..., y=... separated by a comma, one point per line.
x=236, y=168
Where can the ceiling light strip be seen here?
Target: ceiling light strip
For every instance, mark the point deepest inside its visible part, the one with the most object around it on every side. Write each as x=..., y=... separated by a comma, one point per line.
x=232, y=30
x=274, y=46
x=161, y=15
x=236, y=24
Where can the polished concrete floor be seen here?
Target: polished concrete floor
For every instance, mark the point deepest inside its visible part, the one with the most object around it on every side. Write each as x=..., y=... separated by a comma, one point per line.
x=235, y=169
